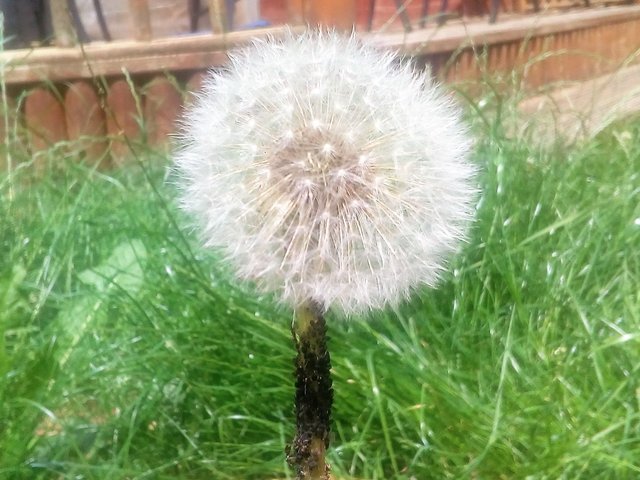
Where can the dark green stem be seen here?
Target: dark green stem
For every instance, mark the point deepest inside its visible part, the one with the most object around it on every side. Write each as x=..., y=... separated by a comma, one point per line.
x=314, y=395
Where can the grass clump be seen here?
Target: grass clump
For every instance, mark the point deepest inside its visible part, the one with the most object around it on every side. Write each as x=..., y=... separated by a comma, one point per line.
x=126, y=351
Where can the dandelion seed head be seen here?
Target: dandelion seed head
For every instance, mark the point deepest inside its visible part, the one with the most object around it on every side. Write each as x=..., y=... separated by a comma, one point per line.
x=325, y=170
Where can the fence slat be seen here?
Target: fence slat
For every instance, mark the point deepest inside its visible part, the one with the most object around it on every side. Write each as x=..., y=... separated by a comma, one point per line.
x=141, y=19
x=162, y=105
x=7, y=118
x=219, y=16
x=45, y=119
x=65, y=35
x=123, y=120
x=335, y=13
x=194, y=85
x=86, y=122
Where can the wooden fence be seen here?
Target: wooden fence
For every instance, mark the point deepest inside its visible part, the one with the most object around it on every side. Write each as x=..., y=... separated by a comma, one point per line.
x=103, y=95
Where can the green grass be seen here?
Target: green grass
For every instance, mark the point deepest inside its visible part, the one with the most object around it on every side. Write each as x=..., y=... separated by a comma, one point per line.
x=127, y=352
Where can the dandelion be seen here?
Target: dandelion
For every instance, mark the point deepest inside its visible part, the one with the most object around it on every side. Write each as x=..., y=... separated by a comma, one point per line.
x=332, y=174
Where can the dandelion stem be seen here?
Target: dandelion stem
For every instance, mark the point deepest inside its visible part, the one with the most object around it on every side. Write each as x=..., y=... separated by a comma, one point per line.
x=314, y=395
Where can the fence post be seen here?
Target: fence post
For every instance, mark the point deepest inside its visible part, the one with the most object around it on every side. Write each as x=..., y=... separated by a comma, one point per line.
x=65, y=35
x=219, y=16
x=335, y=13
x=141, y=19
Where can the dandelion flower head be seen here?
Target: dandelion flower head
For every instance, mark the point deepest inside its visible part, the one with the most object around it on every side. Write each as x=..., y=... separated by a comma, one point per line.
x=327, y=171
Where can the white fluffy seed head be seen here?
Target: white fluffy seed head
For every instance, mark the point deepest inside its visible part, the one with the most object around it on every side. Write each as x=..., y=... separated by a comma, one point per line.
x=327, y=171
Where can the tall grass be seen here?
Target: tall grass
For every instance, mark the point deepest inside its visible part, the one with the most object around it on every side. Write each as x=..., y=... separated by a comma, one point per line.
x=127, y=352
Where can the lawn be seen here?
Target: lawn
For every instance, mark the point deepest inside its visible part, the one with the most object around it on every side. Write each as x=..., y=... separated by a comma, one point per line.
x=128, y=352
